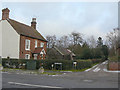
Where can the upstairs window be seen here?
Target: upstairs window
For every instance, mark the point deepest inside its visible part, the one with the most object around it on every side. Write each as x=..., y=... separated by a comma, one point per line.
x=27, y=44
x=35, y=43
x=41, y=44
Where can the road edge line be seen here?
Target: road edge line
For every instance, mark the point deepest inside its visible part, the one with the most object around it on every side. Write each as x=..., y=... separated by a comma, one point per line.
x=33, y=85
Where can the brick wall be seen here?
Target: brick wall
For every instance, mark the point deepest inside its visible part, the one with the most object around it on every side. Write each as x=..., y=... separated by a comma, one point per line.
x=32, y=47
x=114, y=66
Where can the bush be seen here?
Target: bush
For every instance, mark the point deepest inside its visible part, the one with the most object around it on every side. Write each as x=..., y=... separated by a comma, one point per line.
x=114, y=58
x=9, y=63
x=66, y=64
x=81, y=64
x=96, y=61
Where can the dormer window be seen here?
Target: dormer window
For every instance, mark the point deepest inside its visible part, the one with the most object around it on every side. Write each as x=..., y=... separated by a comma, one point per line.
x=27, y=44
x=35, y=43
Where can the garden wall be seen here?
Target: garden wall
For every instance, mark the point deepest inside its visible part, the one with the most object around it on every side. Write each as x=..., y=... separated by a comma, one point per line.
x=114, y=66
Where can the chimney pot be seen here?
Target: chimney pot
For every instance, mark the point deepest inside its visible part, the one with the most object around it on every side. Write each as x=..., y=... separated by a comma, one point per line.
x=33, y=19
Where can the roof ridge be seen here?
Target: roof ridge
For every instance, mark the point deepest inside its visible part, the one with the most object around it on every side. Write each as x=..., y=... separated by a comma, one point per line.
x=26, y=30
x=19, y=22
x=58, y=50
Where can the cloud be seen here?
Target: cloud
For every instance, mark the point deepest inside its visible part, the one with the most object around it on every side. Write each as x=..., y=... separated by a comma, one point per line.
x=62, y=18
x=93, y=30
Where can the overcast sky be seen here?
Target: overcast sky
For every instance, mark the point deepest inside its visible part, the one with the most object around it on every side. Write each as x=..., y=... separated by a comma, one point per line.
x=54, y=18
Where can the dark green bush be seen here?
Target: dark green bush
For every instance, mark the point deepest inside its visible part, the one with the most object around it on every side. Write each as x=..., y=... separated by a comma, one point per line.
x=96, y=61
x=66, y=64
x=81, y=64
x=12, y=62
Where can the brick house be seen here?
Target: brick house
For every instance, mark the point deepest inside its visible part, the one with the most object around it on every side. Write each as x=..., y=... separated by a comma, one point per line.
x=21, y=41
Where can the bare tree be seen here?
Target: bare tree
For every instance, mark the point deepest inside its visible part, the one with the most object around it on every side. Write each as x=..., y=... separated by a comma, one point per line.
x=51, y=41
x=91, y=41
x=63, y=41
x=113, y=39
x=76, y=38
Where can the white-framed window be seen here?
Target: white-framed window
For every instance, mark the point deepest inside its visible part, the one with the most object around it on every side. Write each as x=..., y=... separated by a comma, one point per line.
x=41, y=44
x=35, y=56
x=27, y=56
x=27, y=44
x=35, y=43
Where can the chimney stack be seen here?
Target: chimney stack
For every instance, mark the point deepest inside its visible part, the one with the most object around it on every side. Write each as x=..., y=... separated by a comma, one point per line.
x=5, y=13
x=33, y=23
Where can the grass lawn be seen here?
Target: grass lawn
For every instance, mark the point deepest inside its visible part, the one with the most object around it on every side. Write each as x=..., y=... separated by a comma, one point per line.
x=51, y=73
x=73, y=70
x=29, y=71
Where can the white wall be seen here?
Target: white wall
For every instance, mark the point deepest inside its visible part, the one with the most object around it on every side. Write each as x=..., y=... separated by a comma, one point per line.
x=0, y=39
x=10, y=41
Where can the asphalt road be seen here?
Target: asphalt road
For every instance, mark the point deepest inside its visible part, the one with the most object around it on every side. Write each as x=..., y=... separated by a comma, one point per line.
x=95, y=77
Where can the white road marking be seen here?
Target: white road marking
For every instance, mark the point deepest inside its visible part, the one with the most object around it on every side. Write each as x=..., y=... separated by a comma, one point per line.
x=54, y=75
x=4, y=72
x=88, y=70
x=104, y=62
x=33, y=85
x=96, y=69
x=95, y=66
x=87, y=80
x=91, y=68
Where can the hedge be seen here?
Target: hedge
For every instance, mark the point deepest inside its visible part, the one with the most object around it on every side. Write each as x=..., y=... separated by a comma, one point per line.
x=66, y=64
x=96, y=61
x=114, y=58
x=81, y=64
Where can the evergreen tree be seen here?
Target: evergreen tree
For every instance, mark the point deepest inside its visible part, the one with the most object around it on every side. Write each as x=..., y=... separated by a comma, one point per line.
x=105, y=51
x=99, y=42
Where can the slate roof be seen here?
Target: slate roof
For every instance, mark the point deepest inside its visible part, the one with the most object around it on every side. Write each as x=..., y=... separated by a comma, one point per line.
x=25, y=30
x=64, y=51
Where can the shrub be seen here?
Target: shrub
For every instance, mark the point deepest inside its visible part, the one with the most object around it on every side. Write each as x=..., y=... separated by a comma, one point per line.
x=81, y=64
x=96, y=61
x=114, y=58
x=9, y=63
x=66, y=64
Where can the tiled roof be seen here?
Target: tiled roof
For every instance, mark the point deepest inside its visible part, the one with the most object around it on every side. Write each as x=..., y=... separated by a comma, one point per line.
x=25, y=30
x=64, y=51
x=37, y=50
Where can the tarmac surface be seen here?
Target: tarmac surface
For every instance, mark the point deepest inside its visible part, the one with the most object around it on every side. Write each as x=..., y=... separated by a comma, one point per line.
x=95, y=77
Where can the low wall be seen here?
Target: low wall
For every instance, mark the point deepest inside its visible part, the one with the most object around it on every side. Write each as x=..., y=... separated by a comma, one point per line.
x=114, y=66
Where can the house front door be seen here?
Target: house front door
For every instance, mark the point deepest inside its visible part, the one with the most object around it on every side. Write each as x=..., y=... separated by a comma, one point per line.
x=35, y=56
